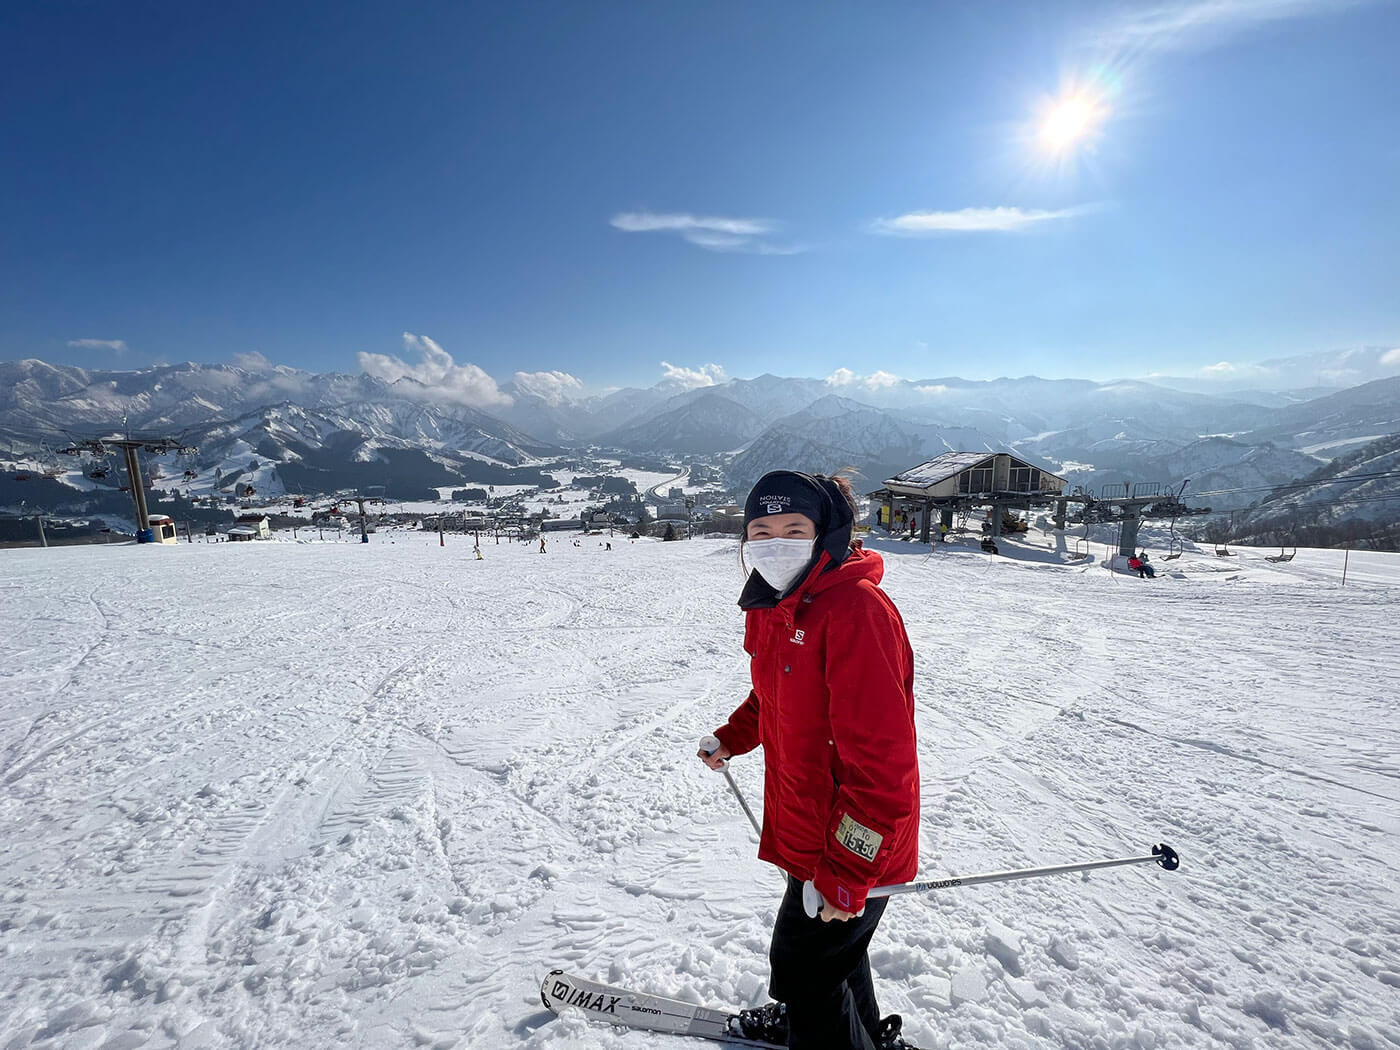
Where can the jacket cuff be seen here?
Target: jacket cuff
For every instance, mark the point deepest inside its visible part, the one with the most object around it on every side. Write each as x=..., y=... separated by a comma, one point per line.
x=838, y=890
x=729, y=737
x=853, y=860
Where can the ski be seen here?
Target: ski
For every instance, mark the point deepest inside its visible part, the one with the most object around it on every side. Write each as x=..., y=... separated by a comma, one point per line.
x=626, y=1008
x=655, y=1013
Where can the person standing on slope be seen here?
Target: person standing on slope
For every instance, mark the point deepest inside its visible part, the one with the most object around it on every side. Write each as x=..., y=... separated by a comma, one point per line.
x=832, y=704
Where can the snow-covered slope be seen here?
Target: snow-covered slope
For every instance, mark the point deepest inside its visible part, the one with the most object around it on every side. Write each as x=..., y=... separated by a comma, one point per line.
x=1363, y=486
x=343, y=795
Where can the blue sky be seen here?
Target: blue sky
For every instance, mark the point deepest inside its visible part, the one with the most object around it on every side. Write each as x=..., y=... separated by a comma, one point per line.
x=617, y=191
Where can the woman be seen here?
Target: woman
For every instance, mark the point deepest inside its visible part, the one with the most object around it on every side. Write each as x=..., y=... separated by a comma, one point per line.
x=832, y=704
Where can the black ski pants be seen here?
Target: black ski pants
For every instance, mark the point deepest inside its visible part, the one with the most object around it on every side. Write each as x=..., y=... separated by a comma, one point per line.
x=822, y=972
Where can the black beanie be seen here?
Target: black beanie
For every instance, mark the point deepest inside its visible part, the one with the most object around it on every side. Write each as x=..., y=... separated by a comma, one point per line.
x=792, y=492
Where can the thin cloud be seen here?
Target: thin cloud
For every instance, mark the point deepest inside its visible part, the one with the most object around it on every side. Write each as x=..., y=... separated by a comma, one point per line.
x=651, y=222
x=1230, y=370
x=440, y=377
x=692, y=378
x=116, y=345
x=252, y=361
x=714, y=233
x=1391, y=358
x=1201, y=24
x=970, y=220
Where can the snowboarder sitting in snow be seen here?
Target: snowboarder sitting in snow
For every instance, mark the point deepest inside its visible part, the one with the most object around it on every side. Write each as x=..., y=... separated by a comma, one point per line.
x=1140, y=565
x=832, y=704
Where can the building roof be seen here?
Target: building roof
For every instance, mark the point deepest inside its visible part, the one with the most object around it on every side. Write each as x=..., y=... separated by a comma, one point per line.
x=940, y=468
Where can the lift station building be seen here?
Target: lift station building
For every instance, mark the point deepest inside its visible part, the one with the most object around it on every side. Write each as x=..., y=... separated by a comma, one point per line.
x=959, y=482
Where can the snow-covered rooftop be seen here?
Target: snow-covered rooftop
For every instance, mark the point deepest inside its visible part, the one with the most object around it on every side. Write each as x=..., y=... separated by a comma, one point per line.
x=940, y=467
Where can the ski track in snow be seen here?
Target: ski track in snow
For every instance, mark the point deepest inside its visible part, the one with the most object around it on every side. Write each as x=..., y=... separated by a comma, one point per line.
x=329, y=795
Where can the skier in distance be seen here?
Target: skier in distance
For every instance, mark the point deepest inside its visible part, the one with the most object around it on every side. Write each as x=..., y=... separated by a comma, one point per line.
x=832, y=704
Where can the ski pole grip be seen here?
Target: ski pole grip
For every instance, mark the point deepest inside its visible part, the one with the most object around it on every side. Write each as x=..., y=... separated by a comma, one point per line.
x=1166, y=856
x=813, y=901
x=711, y=744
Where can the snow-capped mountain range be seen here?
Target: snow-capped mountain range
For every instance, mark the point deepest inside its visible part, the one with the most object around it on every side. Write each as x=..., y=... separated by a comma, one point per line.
x=323, y=427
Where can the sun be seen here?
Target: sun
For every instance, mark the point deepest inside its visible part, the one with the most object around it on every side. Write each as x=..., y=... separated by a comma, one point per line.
x=1069, y=121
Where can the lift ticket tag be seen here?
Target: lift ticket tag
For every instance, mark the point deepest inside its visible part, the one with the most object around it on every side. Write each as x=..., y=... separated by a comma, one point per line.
x=857, y=838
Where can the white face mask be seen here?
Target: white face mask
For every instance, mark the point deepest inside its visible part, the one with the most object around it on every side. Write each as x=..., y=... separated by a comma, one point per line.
x=779, y=561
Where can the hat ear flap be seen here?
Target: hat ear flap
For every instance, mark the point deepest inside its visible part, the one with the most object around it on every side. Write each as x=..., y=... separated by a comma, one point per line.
x=836, y=537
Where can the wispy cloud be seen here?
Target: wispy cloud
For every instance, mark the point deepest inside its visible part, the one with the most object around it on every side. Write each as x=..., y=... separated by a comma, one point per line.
x=692, y=378
x=971, y=220
x=117, y=345
x=712, y=232
x=1230, y=370
x=650, y=221
x=1201, y=24
x=553, y=388
x=441, y=378
x=1391, y=358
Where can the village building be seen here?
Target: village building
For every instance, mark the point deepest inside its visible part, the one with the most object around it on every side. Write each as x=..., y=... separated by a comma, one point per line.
x=250, y=527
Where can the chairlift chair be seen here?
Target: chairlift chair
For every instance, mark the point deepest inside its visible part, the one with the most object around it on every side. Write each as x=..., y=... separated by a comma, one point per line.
x=1081, y=543
x=1222, y=551
x=1175, y=547
x=1281, y=556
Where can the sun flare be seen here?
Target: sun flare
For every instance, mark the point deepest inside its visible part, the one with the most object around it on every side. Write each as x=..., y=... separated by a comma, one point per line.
x=1070, y=121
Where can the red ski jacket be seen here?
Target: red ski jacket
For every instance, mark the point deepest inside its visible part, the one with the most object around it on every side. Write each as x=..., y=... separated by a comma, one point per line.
x=833, y=706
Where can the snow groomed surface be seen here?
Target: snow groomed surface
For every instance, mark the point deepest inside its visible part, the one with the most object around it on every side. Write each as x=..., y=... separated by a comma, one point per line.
x=330, y=795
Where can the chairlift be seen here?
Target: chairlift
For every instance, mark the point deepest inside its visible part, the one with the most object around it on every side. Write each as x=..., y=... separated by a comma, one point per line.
x=1281, y=556
x=98, y=471
x=1081, y=544
x=1222, y=551
x=1175, y=547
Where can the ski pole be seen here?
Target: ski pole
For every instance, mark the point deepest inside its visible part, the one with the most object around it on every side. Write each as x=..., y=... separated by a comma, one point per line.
x=1161, y=853
x=710, y=745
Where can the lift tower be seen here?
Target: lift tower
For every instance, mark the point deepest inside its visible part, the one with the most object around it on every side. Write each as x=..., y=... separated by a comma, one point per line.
x=156, y=446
